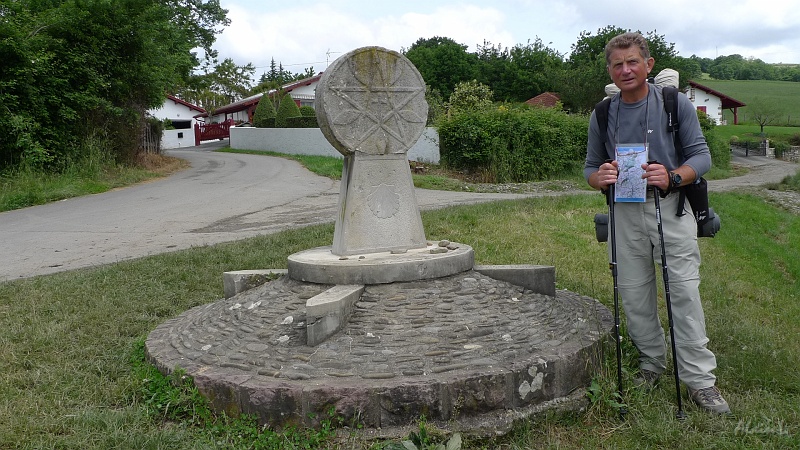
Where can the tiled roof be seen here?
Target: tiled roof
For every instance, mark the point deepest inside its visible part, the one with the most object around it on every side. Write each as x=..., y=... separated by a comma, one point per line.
x=727, y=102
x=185, y=103
x=246, y=103
x=546, y=99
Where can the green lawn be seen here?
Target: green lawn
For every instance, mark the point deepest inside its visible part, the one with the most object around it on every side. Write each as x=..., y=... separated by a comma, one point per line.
x=784, y=94
x=73, y=378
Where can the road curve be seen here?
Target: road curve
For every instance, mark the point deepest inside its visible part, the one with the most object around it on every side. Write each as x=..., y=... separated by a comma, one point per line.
x=222, y=197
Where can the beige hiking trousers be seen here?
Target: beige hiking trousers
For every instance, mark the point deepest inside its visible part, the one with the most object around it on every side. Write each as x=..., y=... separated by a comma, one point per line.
x=638, y=246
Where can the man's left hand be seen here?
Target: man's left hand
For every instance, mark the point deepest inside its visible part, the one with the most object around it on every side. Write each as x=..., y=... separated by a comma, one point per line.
x=656, y=175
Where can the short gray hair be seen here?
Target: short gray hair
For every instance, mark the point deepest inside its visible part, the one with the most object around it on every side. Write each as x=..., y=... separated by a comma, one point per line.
x=628, y=40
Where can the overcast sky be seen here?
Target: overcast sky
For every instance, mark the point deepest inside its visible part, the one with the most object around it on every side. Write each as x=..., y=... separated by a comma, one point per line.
x=304, y=33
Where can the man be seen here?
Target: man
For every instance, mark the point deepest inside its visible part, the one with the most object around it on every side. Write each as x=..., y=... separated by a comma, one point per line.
x=636, y=115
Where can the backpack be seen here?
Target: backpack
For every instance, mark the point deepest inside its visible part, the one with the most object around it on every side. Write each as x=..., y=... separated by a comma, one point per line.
x=708, y=222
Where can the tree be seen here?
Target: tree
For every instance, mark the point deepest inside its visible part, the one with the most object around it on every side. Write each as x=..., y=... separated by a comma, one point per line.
x=264, y=117
x=443, y=63
x=231, y=80
x=223, y=84
x=496, y=69
x=80, y=73
x=584, y=77
x=763, y=113
x=537, y=69
x=286, y=110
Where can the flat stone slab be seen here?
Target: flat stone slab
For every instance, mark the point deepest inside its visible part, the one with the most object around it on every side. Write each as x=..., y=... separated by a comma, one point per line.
x=327, y=313
x=463, y=349
x=320, y=265
x=237, y=281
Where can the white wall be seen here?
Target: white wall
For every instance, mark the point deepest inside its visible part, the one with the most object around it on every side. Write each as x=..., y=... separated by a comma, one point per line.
x=311, y=141
x=176, y=112
x=712, y=103
x=171, y=138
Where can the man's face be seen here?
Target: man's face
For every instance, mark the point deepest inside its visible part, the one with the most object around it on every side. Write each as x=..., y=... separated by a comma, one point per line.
x=629, y=72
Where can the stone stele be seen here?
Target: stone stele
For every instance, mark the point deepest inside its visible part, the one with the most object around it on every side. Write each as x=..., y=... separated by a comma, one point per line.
x=371, y=107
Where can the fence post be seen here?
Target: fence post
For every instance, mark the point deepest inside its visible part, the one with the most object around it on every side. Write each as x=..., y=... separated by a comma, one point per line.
x=196, y=134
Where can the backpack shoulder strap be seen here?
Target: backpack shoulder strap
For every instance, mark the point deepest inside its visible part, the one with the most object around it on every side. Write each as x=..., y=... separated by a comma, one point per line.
x=601, y=113
x=671, y=108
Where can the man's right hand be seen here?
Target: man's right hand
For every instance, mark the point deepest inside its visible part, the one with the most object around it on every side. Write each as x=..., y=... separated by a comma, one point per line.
x=606, y=174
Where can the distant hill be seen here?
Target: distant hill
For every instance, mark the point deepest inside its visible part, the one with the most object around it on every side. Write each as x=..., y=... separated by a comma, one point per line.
x=785, y=94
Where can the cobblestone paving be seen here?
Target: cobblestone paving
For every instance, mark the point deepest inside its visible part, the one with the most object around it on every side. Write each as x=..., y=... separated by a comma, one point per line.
x=456, y=323
x=465, y=347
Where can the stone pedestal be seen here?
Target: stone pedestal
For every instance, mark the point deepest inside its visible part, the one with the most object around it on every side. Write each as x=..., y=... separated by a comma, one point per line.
x=377, y=207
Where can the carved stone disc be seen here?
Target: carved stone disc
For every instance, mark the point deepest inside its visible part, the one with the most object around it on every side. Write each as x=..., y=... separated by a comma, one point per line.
x=371, y=100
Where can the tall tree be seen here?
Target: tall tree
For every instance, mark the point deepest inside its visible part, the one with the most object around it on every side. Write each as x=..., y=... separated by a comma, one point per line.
x=443, y=63
x=585, y=76
x=232, y=81
x=537, y=67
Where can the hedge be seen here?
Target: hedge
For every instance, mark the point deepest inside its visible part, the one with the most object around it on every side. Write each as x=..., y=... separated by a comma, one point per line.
x=301, y=122
x=516, y=145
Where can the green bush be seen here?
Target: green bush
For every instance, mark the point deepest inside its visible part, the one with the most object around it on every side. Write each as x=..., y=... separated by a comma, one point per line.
x=513, y=145
x=302, y=122
x=264, y=117
x=720, y=150
x=706, y=123
x=286, y=109
x=781, y=148
x=308, y=111
x=470, y=96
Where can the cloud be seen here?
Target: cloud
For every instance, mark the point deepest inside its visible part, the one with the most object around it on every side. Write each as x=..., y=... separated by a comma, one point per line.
x=302, y=37
x=303, y=33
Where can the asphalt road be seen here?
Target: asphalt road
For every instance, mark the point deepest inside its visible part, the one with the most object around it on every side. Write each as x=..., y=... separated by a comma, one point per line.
x=222, y=197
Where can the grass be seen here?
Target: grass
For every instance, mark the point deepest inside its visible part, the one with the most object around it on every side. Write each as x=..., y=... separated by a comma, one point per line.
x=783, y=95
x=21, y=188
x=70, y=343
x=754, y=132
x=326, y=166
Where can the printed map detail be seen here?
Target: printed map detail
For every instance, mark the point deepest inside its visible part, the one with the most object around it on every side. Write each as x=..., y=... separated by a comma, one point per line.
x=630, y=185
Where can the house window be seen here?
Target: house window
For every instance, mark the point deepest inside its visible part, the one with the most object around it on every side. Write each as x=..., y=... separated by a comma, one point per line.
x=182, y=124
x=702, y=108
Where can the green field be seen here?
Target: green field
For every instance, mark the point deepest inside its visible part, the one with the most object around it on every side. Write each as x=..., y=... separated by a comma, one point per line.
x=784, y=94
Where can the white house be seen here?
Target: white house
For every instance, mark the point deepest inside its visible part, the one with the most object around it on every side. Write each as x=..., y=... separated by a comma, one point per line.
x=713, y=102
x=182, y=115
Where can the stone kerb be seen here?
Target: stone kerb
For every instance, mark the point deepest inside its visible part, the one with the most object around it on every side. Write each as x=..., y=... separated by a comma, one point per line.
x=327, y=313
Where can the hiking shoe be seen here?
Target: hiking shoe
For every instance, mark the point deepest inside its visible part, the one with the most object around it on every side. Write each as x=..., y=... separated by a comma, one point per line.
x=710, y=399
x=646, y=379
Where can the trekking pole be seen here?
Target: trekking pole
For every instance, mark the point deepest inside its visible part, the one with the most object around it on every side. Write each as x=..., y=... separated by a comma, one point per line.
x=613, y=266
x=665, y=274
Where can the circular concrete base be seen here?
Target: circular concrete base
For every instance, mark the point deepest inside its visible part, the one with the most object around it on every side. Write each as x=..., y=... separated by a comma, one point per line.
x=319, y=265
x=465, y=349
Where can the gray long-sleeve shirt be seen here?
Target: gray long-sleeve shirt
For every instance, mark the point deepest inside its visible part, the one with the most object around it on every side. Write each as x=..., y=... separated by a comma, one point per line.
x=646, y=122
